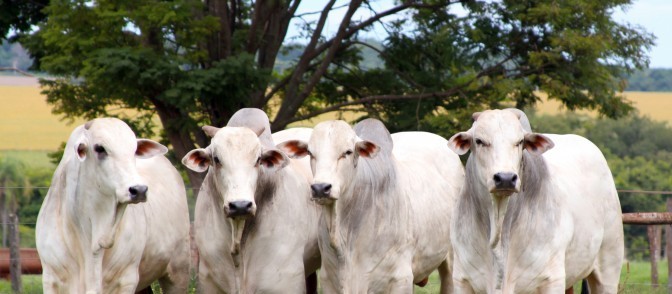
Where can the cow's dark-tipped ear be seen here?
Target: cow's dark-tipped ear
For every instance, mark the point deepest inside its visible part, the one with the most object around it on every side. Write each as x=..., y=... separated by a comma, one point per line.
x=273, y=160
x=460, y=143
x=367, y=149
x=148, y=149
x=197, y=160
x=537, y=143
x=294, y=148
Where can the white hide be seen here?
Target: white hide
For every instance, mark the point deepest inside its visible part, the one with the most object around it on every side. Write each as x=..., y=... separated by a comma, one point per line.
x=279, y=250
x=90, y=239
x=562, y=225
x=385, y=241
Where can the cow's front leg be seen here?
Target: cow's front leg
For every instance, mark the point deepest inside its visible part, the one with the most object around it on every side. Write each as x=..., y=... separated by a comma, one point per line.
x=126, y=283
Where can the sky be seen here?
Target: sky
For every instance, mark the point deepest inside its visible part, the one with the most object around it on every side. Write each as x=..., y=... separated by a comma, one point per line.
x=655, y=16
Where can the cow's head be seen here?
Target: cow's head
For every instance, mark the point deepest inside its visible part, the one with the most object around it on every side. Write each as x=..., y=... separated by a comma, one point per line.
x=107, y=148
x=497, y=140
x=237, y=160
x=334, y=151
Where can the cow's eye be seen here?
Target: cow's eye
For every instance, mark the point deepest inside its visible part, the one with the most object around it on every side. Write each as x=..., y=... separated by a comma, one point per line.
x=99, y=149
x=217, y=160
x=520, y=143
x=258, y=161
x=479, y=142
x=347, y=152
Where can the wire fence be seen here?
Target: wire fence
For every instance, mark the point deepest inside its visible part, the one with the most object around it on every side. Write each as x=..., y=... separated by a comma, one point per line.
x=634, y=280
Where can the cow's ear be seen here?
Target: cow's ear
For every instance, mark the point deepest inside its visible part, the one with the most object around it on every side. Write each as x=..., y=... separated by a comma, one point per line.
x=197, y=160
x=80, y=150
x=460, y=143
x=475, y=115
x=367, y=149
x=537, y=143
x=148, y=149
x=273, y=159
x=294, y=148
x=210, y=130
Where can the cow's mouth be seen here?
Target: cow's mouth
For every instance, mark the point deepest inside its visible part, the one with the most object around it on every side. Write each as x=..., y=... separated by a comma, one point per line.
x=503, y=192
x=324, y=200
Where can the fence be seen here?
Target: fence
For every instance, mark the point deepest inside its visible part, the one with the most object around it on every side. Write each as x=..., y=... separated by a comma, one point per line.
x=31, y=281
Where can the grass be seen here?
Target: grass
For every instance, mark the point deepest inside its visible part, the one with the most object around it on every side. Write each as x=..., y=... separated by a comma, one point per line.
x=36, y=159
x=635, y=279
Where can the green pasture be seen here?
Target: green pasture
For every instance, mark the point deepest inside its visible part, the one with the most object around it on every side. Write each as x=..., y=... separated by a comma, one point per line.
x=635, y=279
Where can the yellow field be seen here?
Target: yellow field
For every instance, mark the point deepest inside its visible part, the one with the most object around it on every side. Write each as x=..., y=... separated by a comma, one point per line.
x=26, y=121
x=656, y=105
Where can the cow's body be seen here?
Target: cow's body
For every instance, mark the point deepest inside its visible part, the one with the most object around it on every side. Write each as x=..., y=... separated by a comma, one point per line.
x=560, y=218
x=91, y=240
x=277, y=247
x=385, y=217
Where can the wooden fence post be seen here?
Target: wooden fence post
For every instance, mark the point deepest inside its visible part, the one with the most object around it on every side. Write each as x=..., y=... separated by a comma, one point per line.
x=653, y=233
x=14, y=255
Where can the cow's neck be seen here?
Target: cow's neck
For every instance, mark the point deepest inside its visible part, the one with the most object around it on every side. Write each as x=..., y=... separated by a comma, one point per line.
x=93, y=220
x=99, y=215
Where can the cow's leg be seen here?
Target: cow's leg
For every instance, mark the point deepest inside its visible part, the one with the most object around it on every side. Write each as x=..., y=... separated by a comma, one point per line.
x=177, y=279
x=446, y=278
x=127, y=282
x=605, y=276
x=50, y=284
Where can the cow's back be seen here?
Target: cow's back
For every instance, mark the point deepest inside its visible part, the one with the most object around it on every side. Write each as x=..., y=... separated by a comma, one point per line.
x=431, y=176
x=167, y=216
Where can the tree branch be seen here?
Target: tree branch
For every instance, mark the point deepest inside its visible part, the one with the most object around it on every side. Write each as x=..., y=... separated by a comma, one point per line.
x=375, y=98
x=25, y=73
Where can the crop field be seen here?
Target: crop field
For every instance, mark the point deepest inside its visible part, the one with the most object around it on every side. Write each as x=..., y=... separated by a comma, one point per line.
x=26, y=121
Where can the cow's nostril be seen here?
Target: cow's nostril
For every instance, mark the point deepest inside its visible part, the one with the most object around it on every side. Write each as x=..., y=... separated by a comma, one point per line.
x=514, y=178
x=138, y=190
x=321, y=189
x=497, y=178
x=240, y=208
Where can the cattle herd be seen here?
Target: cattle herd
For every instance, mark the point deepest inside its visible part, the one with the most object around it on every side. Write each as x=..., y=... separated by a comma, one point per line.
x=375, y=212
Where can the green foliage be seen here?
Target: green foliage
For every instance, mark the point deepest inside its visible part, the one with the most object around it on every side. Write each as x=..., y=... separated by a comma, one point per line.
x=20, y=15
x=651, y=80
x=502, y=52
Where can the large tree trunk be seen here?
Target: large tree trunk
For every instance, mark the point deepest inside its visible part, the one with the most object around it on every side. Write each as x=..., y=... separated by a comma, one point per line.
x=179, y=137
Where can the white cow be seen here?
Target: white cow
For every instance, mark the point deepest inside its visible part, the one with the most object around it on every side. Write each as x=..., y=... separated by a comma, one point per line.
x=111, y=223
x=538, y=212
x=386, y=205
x=256, y=229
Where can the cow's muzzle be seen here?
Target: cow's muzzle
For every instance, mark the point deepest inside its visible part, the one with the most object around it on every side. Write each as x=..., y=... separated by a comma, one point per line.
x=138, y=193
x=240, y=209
x=505, y=183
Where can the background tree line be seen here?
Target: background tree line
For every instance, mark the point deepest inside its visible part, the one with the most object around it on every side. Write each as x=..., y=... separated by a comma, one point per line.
x=193, y=62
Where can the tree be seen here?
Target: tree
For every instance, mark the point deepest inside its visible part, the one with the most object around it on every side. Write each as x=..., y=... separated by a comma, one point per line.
x=195, y=62
x=20, y=15
x=12, y=176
